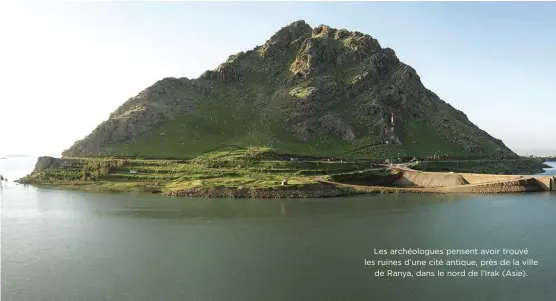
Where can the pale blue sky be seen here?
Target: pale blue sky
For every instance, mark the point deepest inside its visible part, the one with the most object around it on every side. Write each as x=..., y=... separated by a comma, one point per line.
x=68, y=65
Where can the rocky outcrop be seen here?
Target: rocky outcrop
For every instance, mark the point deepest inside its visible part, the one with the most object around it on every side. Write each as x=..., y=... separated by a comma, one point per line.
x=226, y=72
x=162, y=101
x=286, y=38
x=328, y=46
x=46, y=163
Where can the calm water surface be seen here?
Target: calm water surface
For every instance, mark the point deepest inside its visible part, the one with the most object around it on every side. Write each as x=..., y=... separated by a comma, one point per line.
x=550, y=171
x=66, y=245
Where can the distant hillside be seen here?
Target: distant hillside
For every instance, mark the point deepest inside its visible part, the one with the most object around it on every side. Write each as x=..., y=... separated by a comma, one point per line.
x=540, y=152
x=311, y=91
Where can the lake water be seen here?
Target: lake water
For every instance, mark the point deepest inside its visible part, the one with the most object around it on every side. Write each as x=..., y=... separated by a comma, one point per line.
x=67, y=245
x=550, y=171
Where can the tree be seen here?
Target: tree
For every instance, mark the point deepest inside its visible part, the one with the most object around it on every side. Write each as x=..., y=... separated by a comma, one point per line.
x=104, y=171
x=85, y=173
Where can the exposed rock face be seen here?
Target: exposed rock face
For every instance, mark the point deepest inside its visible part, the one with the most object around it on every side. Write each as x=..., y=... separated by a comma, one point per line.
x=159, y=102
x=328, y=46
x=316, y=87
x=44, y=163
x=289, y=36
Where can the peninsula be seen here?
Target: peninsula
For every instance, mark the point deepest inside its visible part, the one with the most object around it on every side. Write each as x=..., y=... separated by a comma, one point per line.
x=304, y=114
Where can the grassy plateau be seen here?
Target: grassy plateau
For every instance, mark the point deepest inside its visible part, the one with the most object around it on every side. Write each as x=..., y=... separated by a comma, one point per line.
x=241, y=172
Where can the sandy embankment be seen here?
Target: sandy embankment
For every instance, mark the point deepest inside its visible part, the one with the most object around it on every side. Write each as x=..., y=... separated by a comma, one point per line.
x=429, y=179
x=441, y=182
x=470, y=183
x=504, y=186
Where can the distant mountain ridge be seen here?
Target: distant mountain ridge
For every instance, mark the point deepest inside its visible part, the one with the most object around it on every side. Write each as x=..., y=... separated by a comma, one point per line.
x=537, y=152
x=312, y=91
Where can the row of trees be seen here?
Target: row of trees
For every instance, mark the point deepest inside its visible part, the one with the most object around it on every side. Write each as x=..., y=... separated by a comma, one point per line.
x=94, y=170
x=458, y=158
x=547, y=158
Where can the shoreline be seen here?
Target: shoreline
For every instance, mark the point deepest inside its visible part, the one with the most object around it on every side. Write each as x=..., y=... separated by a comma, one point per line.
x=242, y=174
x=324, y=189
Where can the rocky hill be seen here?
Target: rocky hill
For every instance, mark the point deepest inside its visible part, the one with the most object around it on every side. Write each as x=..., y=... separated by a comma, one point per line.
x=309, y=91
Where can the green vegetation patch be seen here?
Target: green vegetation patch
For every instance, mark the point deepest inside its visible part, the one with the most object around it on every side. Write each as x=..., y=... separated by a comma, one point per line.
x=523, y=166
x=231, y=167
x=379, y=177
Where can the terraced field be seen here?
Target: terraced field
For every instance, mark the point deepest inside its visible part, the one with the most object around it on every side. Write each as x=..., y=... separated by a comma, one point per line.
x=235, y=168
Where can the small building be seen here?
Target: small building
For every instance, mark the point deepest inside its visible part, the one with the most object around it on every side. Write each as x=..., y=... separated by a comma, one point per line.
x=284, y=182
x=133, y=171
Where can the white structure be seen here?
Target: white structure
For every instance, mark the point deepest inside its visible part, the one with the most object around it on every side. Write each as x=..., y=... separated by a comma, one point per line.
x=133, y=171
x=392, y=128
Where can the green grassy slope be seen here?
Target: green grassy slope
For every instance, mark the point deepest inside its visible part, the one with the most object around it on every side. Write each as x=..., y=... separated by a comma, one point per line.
x=523, y=166
x=227, y=167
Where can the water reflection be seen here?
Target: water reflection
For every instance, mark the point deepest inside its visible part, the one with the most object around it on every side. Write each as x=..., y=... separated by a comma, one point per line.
x=147, y=206
x=249, y=208
x=71, y=245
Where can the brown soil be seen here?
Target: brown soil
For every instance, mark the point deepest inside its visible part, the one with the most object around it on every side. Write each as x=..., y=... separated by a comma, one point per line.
x=428, y=180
